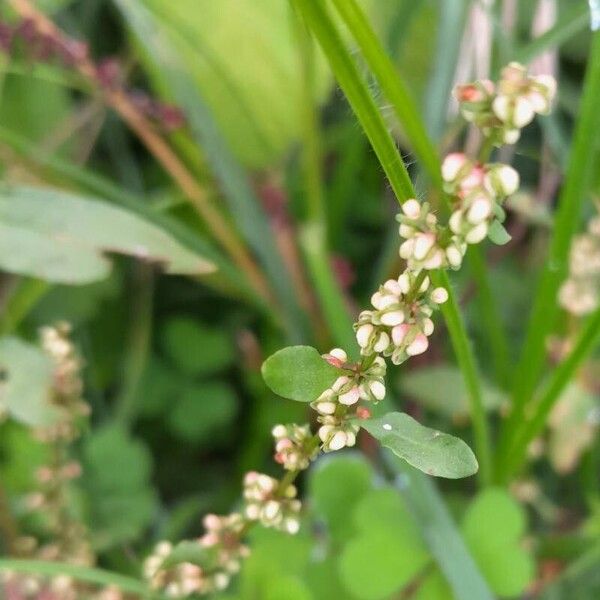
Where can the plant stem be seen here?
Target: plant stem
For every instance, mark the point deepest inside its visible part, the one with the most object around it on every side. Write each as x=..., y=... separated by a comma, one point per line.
x=466, y=361
x=26, y=293
x=534, y=424
x=136, y=354
x=8, y=526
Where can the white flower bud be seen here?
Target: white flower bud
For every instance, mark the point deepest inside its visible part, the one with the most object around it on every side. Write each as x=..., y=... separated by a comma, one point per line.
x=508, y=179
x=523, y=112
x=339, y=354
x=454, y=256
x=292, y=526
x=439, y=295
x=404, y=283
x=480, y=210
x=393, y=318
x=271, y=510
x=428, y=326
x=424, y=242
x=399, y=333
x=511, y=136
x=338, y=440
x=278, y=431
x=452, y=164
x=381, y=301
x=418, y=346
x=350, y=397
x=339, y=383
x=435, y=261
x=411, y=208
x=377, y=389
x=363, y=334
x=350, y=438
x=406, y=231
x=455, y=221
x=392, y=286
x=477, y=234
x=383, y=341
x=407, y=249
x=501, y=107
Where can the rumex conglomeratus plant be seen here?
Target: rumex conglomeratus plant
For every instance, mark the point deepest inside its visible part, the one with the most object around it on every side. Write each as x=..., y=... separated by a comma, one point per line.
x=342, y=391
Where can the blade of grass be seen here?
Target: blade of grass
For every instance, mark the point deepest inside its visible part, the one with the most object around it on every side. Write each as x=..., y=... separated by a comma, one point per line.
x=244, y=205
x=366, y=111
x=451, y=26
x=392, y=86
x=441, y=534
x=532, y=426
x=580, y=170
x=86, y=574
x=21, y=300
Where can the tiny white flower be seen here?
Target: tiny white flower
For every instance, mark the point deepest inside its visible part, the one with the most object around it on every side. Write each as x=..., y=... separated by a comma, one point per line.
x=381, y=301
x=439, y=295
x=501, y=107
x=393, y=286
x=452, y=164
x=339, y=383
x=404, y=283
x=480, y=210
x=428, y=326
x=407, y=249
x=511, y=136
x=523, y=112
x=383, y=341
x=393, y=318
x=424, y=242
x=277, y=431
x=339, y=354
x=377, y=389
x=363, y=335
x=435, y=261
x=477, y=234
x=399, y=333
x=454, y=256
x=350, y=397
x=418, y=346
x=338, y=440
x=411, y=208
x=455, y=221
x=508, y=178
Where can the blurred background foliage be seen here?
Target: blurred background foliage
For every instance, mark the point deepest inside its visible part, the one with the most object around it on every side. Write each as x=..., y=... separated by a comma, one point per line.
x=179, y=410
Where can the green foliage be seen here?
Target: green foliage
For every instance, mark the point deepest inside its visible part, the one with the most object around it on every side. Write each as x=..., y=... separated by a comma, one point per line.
x=498, y=234
x=117, y=481
x=433, y=452
x=493, y=528
x=61, y=237
x=25, y=379
x=441, y=388
x=203, y=412
x=195, y=349
x=298, y=373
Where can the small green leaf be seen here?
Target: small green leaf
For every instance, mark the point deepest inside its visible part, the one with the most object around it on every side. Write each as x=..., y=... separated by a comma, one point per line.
x=433, y=452
x=25, y=381
x=298, y=373
x=492, y=528
x=190, y=552
x=498, y=235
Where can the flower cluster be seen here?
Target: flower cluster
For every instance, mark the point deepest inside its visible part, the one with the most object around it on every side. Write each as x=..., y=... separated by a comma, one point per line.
x=580, y=293
x=271, y=503
x=222, y=554
x=501, y=110
x=294, y=446
x=401, y=321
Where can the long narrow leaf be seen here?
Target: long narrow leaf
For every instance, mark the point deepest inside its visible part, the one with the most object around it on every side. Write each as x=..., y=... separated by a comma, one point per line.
x=581, y=169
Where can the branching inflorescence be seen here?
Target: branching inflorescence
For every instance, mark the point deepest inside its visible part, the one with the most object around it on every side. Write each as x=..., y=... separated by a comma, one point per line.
x=397, y=326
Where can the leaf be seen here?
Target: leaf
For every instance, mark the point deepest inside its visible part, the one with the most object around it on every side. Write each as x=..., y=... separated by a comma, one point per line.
x=196, y=349
x=26, y=376
x=336, y=485
x=190, y=552
x=298, y=373
x=433, y=452
x=442, y=389
x=62, y=237
x=203, y=412
x=492, y=527
x=384, y=522
x=378, y=563
x=117, y=471
x=498, y=234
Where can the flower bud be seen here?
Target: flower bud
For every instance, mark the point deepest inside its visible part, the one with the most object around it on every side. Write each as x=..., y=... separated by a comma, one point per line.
x=411, y=208
x=439, y=295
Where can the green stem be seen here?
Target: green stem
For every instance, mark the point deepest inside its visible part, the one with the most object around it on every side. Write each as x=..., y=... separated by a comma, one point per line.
x=581, y=168
x=533, y=426
x=396, y=92
x=98, y=577
x=23, y=298
x=466, y=361
x=138, y=347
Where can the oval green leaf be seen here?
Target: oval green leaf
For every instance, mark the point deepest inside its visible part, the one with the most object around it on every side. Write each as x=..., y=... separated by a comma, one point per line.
x=433, y=452
x=298, y=373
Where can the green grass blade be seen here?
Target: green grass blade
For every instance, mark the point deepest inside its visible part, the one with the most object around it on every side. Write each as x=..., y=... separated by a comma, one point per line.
x=358, y=95
x=573, y=22
x=441, y=534
x=21, y=300
x=452, y=20
x=580, y=171
x=98, y=577
x=392, y=86
x=560, y=378
x=244, y=205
